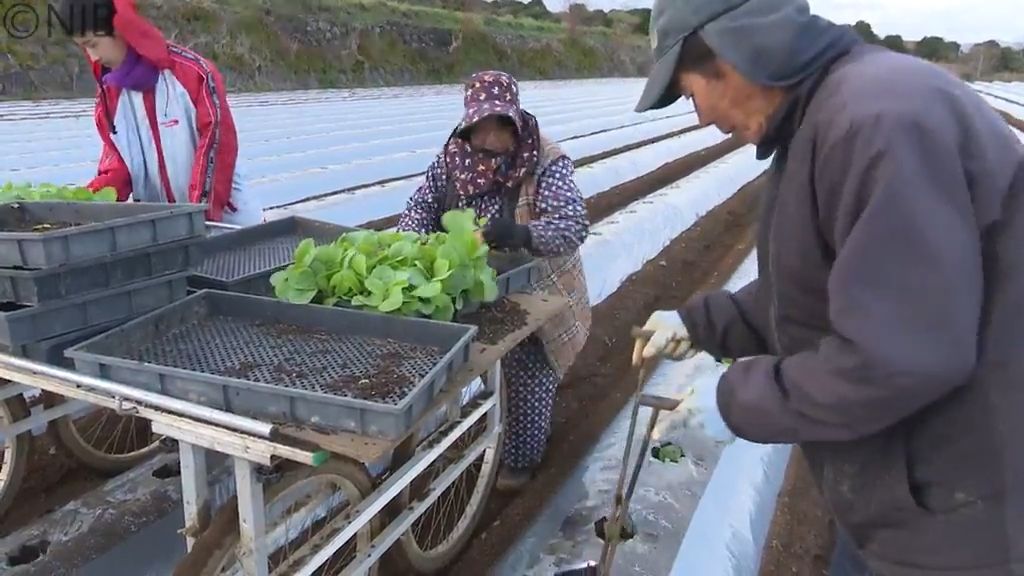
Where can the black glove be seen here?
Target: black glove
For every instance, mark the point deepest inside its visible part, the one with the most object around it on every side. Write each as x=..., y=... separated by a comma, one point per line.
x=505, y=234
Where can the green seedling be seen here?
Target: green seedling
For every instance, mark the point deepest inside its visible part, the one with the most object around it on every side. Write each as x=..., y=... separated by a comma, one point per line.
x=432, y=275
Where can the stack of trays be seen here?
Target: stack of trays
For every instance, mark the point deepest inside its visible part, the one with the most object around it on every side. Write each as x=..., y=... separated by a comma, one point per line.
x=72, y=270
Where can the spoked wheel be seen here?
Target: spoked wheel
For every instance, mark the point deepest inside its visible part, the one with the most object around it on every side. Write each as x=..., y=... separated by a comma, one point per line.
x=104, y=440
x=436, y=537
x=14, y=458
x=305, y=508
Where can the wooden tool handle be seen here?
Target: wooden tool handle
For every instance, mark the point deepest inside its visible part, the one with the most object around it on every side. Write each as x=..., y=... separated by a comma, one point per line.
x=641, y=333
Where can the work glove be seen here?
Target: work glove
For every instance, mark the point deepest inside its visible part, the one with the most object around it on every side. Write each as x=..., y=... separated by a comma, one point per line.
x=670, y=339
x=506, y=234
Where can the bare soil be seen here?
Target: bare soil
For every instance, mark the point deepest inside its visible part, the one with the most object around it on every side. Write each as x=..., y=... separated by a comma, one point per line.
x=602, y=205
x=607, y=203
x=52, y=479
x=1012, y=120
x=802, y=534
x=599, y=383
x=496, y=321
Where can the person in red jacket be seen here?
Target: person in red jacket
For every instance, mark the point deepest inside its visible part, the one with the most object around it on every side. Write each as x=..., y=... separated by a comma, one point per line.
x=162, y=114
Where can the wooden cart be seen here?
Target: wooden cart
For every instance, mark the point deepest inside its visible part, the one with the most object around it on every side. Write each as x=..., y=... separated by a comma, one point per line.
x=309, y=502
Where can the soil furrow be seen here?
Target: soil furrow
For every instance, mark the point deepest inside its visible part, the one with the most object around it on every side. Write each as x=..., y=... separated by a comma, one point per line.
x=604, y=204
x=601, y=380
x=580, y=162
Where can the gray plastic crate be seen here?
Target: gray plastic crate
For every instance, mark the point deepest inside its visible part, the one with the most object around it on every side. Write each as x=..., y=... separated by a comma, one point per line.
x=243, y=260
x=516, y=271
x=27, y=324
x=51, y=351
x=282, y=362
x=90, y=276
x=99, y=229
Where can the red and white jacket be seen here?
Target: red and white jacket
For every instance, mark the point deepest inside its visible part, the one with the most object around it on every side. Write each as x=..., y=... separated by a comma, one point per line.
x=176, y=142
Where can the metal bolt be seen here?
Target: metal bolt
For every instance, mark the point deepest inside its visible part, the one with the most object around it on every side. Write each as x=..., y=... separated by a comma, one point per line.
x=267, y=475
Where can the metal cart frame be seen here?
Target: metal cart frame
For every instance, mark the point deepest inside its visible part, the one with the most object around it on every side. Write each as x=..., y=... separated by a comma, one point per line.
x=252, y=444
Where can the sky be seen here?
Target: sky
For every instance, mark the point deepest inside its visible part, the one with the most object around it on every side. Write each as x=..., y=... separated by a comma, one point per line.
x=966, y=21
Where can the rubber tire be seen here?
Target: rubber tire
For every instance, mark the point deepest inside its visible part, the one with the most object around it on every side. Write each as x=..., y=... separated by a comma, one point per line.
x=64, y=431
x=402, y=559
x=18, y=409
x=221, y=537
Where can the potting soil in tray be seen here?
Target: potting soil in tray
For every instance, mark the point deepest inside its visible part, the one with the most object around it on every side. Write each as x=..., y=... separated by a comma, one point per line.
x=496, y=321
x=377, y=370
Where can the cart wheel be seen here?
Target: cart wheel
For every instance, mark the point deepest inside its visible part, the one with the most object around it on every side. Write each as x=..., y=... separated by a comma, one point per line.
x=436, y=537
x=104, y=440
x=305, y=508
x=15, y=453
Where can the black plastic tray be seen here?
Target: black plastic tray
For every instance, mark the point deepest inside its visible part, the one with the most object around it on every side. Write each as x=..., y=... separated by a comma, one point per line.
x=282, y=362
x=243, y=260
x=90, y=276
x=100, y=229
x=29, y=324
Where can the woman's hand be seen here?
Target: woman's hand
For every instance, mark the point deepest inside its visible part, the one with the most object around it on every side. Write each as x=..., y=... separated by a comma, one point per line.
x=506, y=234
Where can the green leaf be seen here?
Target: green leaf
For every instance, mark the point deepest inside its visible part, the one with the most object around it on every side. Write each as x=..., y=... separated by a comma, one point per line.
x=427, y=290
x=416, y=276
x=305, y=252
x=459, y=221
x=358, y=264
x=303, y=279
x=375, y=285
x=444, y=310
x=394, y=300
x=442, y=268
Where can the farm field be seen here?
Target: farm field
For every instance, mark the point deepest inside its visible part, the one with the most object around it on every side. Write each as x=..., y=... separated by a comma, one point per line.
x=673, y=211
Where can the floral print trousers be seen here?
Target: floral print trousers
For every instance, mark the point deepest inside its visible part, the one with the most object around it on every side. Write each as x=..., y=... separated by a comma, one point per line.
x=530, y=385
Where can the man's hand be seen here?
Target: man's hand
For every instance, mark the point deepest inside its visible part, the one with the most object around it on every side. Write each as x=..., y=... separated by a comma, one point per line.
x=670, y=339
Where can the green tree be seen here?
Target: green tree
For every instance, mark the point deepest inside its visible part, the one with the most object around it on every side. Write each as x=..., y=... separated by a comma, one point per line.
x=866, y=32
x=895, y=43
x=643, y=16
x=937, y=49
x=1010, y=60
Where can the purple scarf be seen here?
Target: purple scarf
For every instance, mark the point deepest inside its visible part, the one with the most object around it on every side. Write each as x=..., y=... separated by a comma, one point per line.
x=135, y=73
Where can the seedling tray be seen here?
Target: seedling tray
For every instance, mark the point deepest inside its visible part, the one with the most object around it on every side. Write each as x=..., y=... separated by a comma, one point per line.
x=27, y=324
x=104, y=273
x=516, y=271
x=328, y=367
x=47, y=234
x=243, y=260
x=51, y=351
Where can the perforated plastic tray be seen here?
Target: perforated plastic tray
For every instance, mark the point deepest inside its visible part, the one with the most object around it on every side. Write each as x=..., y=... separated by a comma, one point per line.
x=105, y=273
x=243, y=260
x=282, y=362
x=96, y=229
x=51, y=350
x=28, y=324
x=516, y=271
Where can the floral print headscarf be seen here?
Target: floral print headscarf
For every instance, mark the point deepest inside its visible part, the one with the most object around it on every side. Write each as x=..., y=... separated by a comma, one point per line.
x=473, y=173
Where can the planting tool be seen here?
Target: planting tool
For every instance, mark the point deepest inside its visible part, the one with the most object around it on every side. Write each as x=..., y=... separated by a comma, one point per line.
x=618, y=526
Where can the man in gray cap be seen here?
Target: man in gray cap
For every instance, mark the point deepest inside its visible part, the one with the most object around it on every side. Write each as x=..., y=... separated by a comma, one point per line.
x=885, y=332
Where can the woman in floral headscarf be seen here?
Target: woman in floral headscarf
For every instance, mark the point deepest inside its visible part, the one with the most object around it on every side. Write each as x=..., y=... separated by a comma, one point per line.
x=498, y=163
